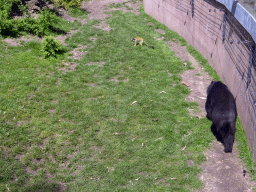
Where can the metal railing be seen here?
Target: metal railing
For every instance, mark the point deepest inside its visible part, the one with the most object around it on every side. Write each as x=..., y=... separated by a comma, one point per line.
x=250, y=6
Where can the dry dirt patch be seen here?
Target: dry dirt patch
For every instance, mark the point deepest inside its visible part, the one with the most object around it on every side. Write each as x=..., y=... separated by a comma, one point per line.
x=116, y=80
x=30, y=171
x=62, y=38
x=161, y=31
x=92, y=84
x=78, y=52
x=68, y=67
x=96, y=10
x=133, y=7
x=17, y=41
x=101, y=63
x=64, y=14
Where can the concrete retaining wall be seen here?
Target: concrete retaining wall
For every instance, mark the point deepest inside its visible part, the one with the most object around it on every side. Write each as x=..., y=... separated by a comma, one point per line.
x=215, y=32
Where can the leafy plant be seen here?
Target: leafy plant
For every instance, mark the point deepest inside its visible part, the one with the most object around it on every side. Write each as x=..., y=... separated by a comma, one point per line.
x=50, y=47
x=69, y=3
x=46, y=21
x=6, y=7
x=12, y=27
x=7, y=26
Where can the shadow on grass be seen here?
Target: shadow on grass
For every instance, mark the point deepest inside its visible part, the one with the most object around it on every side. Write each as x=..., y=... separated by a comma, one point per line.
x=57, y=30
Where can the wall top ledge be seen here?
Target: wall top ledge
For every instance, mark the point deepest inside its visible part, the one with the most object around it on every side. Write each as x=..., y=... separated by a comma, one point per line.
x=242, y=15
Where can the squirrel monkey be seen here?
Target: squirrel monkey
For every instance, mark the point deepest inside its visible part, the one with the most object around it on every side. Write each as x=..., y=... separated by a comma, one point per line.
x=141, y=40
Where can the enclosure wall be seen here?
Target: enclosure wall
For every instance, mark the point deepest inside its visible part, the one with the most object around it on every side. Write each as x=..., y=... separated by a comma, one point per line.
x=214, y=31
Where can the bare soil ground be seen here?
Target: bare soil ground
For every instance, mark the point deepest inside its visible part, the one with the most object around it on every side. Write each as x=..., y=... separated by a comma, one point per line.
x=221, y=172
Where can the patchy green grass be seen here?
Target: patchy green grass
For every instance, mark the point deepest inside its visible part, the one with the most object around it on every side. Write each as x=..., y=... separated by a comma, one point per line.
x=119, y=5
x=244, y=149
x=77, y=12
x=118, y=122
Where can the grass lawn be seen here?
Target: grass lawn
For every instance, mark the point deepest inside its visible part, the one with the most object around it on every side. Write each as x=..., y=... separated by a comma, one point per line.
x=118, y=122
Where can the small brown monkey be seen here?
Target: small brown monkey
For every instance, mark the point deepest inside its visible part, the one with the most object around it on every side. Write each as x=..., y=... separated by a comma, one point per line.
x=141, y=40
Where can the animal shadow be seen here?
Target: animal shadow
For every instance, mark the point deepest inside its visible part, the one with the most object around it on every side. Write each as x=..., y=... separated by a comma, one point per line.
x=216, y=134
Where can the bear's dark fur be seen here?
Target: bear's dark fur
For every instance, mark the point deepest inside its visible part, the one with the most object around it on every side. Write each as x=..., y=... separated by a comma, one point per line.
x=221, y=110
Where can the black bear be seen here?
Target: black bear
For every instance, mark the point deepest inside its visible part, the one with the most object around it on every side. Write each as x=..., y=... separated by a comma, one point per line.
x=221, y=110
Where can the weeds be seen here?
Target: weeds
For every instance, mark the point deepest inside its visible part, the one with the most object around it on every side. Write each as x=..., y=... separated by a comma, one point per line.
x=50, y=47
x=43, y=25
x=67, y=4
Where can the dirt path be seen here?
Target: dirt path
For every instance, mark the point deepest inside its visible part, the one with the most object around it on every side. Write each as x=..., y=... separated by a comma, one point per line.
x=222, y=172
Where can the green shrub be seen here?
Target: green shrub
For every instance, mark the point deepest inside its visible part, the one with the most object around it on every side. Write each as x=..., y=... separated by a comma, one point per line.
x=28, y=24
x=45, y=21
x=8, y=26
x=13, y=27
x=6, y=8
x=69, y=3
x=50, y=47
